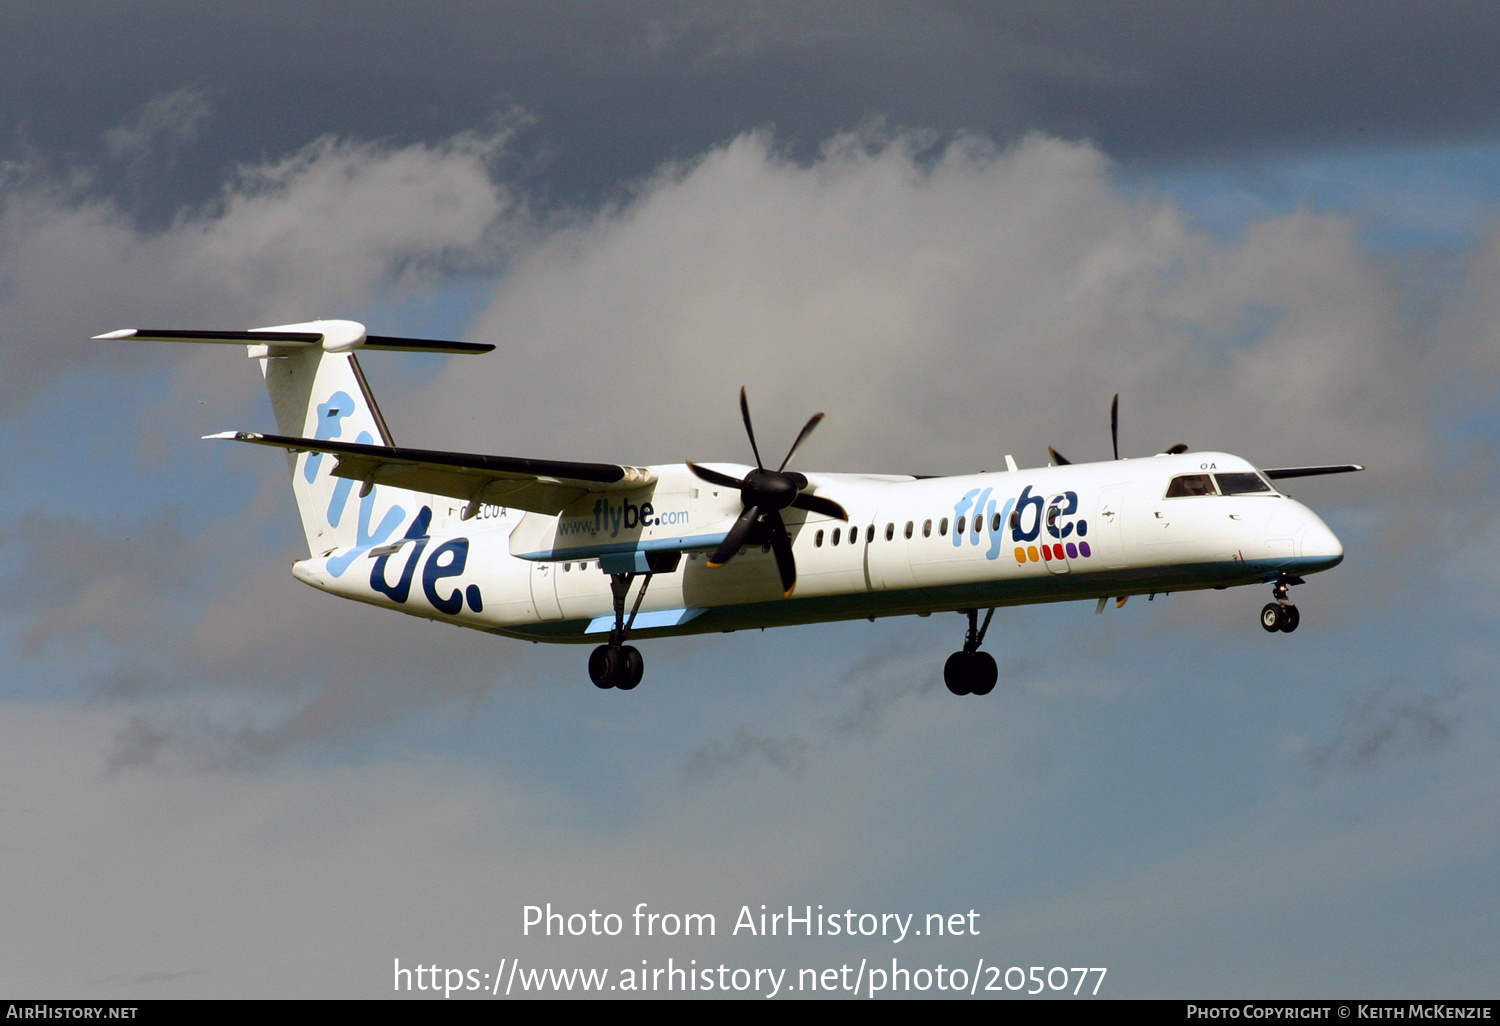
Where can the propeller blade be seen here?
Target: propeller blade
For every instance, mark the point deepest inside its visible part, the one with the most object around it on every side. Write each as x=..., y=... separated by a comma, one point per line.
x=714, y=477
x=807, y=430
x=736, y=536
x=818, y=504
x=781, y=545
x=745, y=412
x=1114, y=424
x=1176, y=449
x=1281, y=472
x=1058, y=458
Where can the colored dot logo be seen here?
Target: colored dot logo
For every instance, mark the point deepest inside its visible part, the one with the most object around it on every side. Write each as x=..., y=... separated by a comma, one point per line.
x=1049, y=552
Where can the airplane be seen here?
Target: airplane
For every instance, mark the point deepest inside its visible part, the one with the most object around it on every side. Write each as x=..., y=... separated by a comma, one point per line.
x=553, y=551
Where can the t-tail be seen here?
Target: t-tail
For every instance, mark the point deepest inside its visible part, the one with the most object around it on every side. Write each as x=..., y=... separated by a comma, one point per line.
x=318, y=391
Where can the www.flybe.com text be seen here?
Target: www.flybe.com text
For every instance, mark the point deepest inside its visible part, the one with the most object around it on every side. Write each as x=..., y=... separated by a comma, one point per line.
x=607, y=518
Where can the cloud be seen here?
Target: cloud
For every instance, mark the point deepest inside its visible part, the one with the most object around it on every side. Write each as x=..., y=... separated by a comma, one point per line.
x=1385, y=724
x=944, y=305
x=317, y=232
x=165, y=123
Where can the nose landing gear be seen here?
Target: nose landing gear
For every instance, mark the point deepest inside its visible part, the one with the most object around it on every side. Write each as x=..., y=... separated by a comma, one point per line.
x=1281, y=615
x=972, y=672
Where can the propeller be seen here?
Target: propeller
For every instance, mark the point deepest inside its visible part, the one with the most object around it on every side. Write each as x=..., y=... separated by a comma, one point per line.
x=1114, y=437
x=764, y=494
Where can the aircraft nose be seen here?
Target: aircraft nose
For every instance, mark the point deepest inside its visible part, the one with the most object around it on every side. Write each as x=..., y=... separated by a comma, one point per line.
x=1321, y=544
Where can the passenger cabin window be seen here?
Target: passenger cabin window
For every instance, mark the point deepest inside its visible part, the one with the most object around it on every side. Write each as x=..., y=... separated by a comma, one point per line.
x=943, y=526
x=890, y=531
x=1190, y=484
x=1241, y=484
x=853, y=535
x=818, y=540
x=908, y=529
x=927, y=529
x=836, y=532
x=995, y=523
x=958, y=528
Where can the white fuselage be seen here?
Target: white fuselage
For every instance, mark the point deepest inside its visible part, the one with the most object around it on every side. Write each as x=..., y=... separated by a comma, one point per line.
x=1079, y=531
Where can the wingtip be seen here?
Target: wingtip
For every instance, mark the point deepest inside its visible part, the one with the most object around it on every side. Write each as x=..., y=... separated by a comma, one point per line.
x=232, y=436
x=122, y=333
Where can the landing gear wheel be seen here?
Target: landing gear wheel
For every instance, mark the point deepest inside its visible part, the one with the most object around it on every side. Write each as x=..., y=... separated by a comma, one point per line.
x=604, y=667
x=958, y=673
x=1270, y=617
x=632, y=667
x=985, y=673
x=1290, y=618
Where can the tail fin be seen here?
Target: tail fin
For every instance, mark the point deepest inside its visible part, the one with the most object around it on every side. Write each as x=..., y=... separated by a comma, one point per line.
x=319, y=391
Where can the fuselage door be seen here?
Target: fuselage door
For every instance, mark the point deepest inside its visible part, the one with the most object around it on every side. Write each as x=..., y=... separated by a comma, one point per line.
x=1106, y=535
x=544, y=591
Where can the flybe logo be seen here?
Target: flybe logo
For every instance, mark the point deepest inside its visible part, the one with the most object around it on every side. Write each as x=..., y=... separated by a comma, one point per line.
x=446, y=560
x=627, y=515
x=1024, y=518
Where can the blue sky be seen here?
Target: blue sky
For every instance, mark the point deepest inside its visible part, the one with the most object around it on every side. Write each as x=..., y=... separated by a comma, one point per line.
x=218, y=782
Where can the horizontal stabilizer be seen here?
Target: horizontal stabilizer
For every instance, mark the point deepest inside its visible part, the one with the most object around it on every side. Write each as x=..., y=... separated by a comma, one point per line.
x=1281, y=472
x=537, y=486
x=341, y=335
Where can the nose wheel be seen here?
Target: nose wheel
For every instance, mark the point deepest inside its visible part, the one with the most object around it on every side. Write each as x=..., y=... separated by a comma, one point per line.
x=972, y=672
x=1281, y=615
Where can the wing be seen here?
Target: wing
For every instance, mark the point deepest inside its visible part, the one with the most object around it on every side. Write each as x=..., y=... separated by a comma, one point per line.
x=1281, y=472
x=537, y=486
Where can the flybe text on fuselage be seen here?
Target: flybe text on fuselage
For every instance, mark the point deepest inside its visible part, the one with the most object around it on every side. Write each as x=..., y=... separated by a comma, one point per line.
x=610, y=518
x=1023, y=518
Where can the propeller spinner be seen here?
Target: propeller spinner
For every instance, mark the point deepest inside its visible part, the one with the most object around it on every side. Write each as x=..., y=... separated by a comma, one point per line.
x=763, y=495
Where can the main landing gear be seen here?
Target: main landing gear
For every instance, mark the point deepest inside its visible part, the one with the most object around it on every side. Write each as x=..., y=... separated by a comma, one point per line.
x=1281, y=615
x=618, y=665
x=972, y=672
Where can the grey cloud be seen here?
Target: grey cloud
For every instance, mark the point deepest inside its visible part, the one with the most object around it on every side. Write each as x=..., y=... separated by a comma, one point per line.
x=890, y=672
x=784, y=753
x=316, y=232
x=943, y=307
x=1396, y=719
x=618, y=88
x=165, y=122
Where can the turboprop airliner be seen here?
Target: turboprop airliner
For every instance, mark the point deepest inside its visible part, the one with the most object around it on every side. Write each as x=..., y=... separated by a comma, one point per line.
x=601, y=553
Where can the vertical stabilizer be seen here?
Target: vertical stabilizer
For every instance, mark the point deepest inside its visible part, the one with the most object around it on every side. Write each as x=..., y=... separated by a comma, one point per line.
x=323, y=395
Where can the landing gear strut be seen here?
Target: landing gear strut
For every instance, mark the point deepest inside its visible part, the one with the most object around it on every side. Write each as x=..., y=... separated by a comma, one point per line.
x=972, y=672
x=1281, y=615
x=618, y=665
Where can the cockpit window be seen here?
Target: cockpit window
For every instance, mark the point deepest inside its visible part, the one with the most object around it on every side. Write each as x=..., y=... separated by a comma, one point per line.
x=1190, y=484
x=1241, y=484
